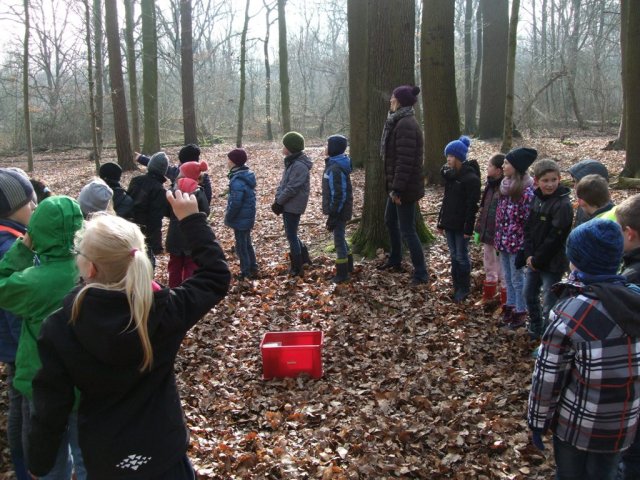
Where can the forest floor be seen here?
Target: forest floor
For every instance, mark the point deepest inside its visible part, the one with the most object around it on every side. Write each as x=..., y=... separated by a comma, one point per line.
x=413, y=387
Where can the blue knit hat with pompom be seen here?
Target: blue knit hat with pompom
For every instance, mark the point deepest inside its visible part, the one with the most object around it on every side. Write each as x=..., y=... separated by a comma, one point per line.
x=458, y=148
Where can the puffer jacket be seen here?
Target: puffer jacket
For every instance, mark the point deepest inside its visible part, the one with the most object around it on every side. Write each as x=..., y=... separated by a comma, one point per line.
x=403, y=160
x=149, y=207
x=486, y=223
x=241, y=204
x=461, y=195
x=10, y=324
x=337, y=192
x=294, y=188
x=33, y=288
x=547, y=229
x=511, y=217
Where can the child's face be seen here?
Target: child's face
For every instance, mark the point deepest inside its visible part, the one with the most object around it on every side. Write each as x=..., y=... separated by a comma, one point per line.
x=548, y=183
x=393, y=104
x=326, y=150
x=508, y=169
x=230, y=164
x=493, y=171
x=453, y=162
x=85, y=267
x=23, y=214
x=631, y=239
x=285, y=152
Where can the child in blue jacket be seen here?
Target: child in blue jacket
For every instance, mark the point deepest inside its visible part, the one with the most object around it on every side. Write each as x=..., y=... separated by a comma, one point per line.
x=241, y=211
x=337, y=202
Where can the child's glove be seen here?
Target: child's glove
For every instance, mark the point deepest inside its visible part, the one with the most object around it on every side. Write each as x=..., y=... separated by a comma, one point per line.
x=476, y=238
x=331, y=223
x=277, y=208
x=536, y=439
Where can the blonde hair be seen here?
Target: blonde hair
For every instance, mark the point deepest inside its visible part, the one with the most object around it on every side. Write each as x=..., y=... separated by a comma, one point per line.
x=117, y=249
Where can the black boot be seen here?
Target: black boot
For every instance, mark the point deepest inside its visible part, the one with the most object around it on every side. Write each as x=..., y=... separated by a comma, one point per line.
x=297, y=267
x=342, y=271
x=350, y=262
x=306, y=259
x=464, y=286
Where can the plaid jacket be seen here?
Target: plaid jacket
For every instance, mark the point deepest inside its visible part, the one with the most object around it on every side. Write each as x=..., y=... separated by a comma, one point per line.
x=586, y=381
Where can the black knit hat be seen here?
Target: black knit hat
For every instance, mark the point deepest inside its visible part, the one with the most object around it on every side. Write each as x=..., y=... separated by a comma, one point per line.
x=110, y=171
x=336, y=145
x=522, y=158
x=407, y=95
x=189, y=153
x=15, y=192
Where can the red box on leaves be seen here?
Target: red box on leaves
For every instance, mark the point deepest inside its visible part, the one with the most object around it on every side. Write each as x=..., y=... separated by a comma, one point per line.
x=287, y=354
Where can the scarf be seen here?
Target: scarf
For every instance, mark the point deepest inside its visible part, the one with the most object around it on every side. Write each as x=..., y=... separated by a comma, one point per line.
x=390, y=123
x=507, y=183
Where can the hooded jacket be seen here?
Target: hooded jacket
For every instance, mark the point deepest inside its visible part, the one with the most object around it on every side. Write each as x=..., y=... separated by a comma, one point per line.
x=131, y=424
x=149, y=206
x=241, y=203
x=33, y=287
x=293, y=191
x=337, y=192
x=10, y=325
x=586, y=381
x=461, y=195
x=122, y=203
x=547, y=229
x=403, y=160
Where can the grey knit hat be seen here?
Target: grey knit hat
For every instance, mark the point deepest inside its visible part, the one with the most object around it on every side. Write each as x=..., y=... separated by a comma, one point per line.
x=94, y=197
x=158, y=163
x=15, y=192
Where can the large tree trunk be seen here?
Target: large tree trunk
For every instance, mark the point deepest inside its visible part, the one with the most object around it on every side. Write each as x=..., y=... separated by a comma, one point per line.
x=150, y=77
x=284, y=67
x=572, y=61
x=441, y=117
x=267, y=74
x=243, y=75
x=25, y=89
x=495, y=15
x=358, y=81
x=632, y=97
x=186, y=70
x=390, y=57
x=133, y=74
x=477, y=71
x=620, y=142
x=92, y=107
x=118, y=100
x=469, y=107
x=507, y=135
x=99, y=73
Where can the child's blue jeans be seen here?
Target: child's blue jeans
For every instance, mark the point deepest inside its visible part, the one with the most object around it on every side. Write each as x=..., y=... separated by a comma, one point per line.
x=574, y=464
x=534, y=282
x=246, y=254
x=339, y=239
x=291, y=222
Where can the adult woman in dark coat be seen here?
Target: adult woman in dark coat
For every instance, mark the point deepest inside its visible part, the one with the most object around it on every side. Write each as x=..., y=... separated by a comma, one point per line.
x=401, y=149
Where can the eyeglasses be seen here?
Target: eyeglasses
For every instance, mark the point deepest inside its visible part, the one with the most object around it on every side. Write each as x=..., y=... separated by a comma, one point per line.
x=77, y=252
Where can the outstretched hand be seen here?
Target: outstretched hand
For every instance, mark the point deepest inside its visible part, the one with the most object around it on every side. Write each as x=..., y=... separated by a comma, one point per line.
x=183, y=204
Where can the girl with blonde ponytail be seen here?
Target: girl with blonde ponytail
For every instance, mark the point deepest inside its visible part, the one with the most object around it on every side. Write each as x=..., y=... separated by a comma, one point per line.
x=115, y=340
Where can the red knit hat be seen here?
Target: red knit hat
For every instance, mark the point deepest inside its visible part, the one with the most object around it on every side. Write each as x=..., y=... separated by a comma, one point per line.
x=187, y=185
x=193, y=170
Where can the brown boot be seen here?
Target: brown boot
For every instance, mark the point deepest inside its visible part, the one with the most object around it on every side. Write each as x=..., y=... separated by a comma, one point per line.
x=507, y=315
x=518, y=319
x=488, y=293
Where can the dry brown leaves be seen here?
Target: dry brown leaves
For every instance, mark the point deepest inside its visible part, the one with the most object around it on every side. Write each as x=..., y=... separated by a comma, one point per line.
x=413, y=387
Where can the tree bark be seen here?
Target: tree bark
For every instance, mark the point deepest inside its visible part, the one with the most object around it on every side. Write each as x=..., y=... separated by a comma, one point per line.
x=267, y=74
x=25, y=89
x=186, y=70
x=441, y=117
x=118, y=100
x=92, y=107
x=243, y=74
x=150, y=77
x=507, y=134
x=133, y=74
x=572, y=61
x=495, y=15
x=620, y=142
x=284, y=67
x=469, y=107
x=98, y=35
x=632, y=97
x=358, y=81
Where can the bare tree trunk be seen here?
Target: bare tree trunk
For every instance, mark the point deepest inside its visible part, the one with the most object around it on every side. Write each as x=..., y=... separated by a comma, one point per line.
x=572, y=62
x=284, y=67
x=188, y=83
x=133, y=74
x=358, y=81
x=441, y=117
x=507, y=135
x=243, y=74
x=99, y=73
x=150, y=76
x=632, y=97
x=469, y=107
x=25, y=89
x=267, y=73
x=477, y=70
x=92, y=107
x=620, y=142
x=118, y=100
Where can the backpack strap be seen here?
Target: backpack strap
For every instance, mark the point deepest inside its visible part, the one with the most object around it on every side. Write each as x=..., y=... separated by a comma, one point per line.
x=13, y=231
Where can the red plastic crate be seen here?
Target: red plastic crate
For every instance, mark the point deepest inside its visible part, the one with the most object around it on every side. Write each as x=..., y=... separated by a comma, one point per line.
x=287, y=354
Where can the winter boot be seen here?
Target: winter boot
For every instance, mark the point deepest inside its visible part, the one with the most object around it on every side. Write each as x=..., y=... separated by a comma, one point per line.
x=342, y=271
x=488, y=293
x=464, y=286
x=518, y=319
x=350, y=262
x=507, y=315
x=297, y=267
x=306, y=259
